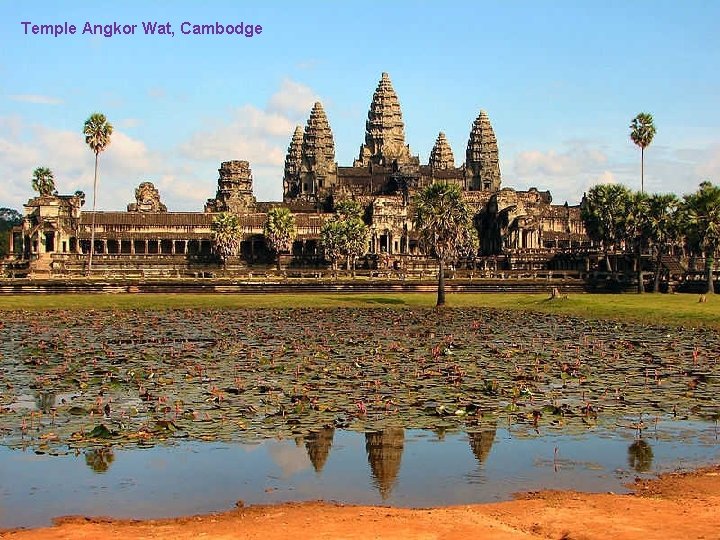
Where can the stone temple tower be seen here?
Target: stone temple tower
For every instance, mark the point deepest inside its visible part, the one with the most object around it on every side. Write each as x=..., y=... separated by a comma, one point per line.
x=293, y=162
x=235, y=189
x=441, y=156
x=384, y=129
x=482, y=167
x=318, y=170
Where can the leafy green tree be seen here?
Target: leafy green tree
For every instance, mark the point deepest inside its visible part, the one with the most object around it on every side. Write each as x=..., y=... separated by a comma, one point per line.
x=227, y=234
x=603, y=211
x=345, y=235
x=701, y=218
x=357, y=236
x=9, y=218
x=280, y=230
x=469, y=242
x=43, y=181
x=661, y=213
x=332, y=240
x=633, y=224
x=97, y=131
x=642, y=132
x=349, y=209
x=442, y=220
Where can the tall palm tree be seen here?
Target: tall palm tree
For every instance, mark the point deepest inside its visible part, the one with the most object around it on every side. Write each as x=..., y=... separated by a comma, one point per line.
x=280, y=230
x=642, y=131
x=701, y=213
x=97, y=131
x=442, y=219
x=227, y=235
x=43, y=181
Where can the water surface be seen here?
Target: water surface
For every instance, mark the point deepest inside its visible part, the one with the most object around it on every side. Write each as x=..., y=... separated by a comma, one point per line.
x=414, y=468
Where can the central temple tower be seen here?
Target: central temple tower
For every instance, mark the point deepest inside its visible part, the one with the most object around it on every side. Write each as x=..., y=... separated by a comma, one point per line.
x=384, y=130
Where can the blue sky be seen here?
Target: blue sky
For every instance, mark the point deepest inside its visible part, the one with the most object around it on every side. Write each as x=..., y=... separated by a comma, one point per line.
x=560, y=80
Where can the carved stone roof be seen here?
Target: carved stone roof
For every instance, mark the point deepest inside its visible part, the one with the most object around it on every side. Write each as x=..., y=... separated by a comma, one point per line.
x=441, y=156
x=148, y=219
x=482, y=157
x=384, y=129
x=318, y=145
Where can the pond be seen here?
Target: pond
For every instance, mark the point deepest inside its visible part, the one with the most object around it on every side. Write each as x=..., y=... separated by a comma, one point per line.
x=397, y=467
x=149, y=413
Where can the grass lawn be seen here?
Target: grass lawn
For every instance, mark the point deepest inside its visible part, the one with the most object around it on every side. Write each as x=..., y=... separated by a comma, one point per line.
x=677, y=309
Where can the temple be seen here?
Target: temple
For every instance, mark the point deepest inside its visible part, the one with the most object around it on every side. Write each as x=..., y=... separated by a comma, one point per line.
x=517, y=229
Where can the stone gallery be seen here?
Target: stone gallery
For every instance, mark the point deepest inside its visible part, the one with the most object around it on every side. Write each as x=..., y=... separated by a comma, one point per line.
x=517, y=229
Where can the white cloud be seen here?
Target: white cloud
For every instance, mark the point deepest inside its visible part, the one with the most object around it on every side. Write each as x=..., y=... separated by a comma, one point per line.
x=570, y=170
x=292, y=99
x=127, y=123
x=185, y=177
x=124, y=164
x=251, y=134
x=708, y=166
x=289, y=459
x=571, y=161
x=258, y=135
x=567, y=172
x=36, y=98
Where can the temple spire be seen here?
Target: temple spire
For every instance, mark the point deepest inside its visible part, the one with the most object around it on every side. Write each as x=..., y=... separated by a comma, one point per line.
x=293, y=162
x=441, y=156
x=384, y=129
x=318, y=170
x=318, y=145
x=482, y=163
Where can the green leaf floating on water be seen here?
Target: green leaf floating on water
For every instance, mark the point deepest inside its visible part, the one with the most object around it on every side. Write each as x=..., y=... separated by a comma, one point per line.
x=100, y=432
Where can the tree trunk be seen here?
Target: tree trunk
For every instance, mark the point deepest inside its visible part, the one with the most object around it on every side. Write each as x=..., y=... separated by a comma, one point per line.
x=642, y=170
x=278, y=267
x=441, y=284
x=709, y=263
x=658, y=270
x=638, y=264
x=92, y=225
